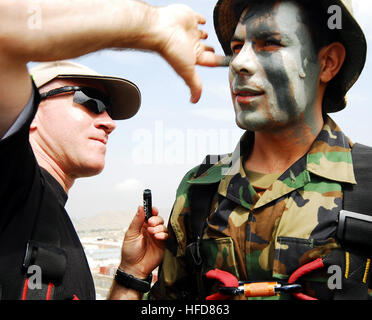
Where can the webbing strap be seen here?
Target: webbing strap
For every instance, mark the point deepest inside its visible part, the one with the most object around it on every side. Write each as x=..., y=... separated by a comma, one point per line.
x=44, y=251
x=355, y=258
x=358, y=198
x=201, y=197
x=355, y=274
x=357, y=236
x=44, y=293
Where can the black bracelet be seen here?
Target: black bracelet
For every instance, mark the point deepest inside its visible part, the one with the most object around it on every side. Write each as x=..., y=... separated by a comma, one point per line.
x=131, y=282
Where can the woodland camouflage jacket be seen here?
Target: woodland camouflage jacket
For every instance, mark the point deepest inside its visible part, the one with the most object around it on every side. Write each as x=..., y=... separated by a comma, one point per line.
x=266, y=236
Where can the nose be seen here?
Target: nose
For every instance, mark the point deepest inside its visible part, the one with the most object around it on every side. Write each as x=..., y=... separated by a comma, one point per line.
x=245, y=62
x=105, y=122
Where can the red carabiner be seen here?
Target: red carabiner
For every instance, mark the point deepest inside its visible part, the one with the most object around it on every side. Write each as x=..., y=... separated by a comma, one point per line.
x=227, y=279
x=230, y=282
x=305, y=269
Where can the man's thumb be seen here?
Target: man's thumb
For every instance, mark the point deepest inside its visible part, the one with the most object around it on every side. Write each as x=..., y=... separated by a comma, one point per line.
x=137, y=222
x=195, y=86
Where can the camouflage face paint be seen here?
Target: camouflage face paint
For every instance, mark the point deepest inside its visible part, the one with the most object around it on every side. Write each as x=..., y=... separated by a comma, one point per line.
x=274, y=69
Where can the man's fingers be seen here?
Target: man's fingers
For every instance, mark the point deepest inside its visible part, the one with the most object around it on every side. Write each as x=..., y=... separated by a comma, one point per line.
x=137, y=222
x=203, y=34
x=155, y=211
x=195, y=87
x=208, y=49
x=155, y=220
x=161, y=236
x=200, y=19
x=159, y=232
x=157, y=229
x=139, y=219
x=223, y=61
x=210, y=59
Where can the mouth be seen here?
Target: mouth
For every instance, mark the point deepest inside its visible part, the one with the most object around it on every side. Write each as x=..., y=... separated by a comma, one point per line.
x=102, y=140
x=246, y=94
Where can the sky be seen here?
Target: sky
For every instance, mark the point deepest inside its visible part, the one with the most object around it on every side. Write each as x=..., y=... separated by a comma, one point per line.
x=169, y=135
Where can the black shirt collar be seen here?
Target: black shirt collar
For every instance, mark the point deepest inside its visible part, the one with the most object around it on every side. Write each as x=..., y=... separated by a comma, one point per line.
x=55, y=186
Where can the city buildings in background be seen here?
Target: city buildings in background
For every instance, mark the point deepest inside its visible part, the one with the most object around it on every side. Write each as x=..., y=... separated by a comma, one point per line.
x=103, y=250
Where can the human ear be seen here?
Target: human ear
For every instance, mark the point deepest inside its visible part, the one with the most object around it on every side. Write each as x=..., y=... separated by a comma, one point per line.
x=331, y=60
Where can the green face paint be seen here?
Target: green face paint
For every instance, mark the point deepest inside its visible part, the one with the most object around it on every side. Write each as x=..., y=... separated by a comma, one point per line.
x=274, y=70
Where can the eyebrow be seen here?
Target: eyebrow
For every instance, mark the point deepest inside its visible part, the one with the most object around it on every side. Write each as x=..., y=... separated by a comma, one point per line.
x=266, y=34
x=236, y=39
x=261, y=34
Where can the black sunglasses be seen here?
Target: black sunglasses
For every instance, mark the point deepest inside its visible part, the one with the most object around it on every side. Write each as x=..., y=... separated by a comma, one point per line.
x=91, y=98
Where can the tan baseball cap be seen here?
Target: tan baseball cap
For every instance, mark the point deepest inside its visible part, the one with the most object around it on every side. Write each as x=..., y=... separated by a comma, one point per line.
x=124, y=95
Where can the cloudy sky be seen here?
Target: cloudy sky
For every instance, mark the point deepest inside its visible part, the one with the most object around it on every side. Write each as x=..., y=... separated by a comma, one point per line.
x=169, y=135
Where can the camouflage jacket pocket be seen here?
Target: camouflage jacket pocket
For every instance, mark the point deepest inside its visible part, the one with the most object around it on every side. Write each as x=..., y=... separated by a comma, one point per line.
x=291, y=253
x=219, y=253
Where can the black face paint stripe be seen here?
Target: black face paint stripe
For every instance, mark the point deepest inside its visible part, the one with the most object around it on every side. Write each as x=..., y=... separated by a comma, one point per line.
x=277, y=77
x=280, y=83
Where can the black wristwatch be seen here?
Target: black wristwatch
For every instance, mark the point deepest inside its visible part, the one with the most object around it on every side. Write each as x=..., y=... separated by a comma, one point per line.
x=131, y=282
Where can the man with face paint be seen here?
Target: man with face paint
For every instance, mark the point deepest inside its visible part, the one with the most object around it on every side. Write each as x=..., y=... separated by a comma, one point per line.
x=276, y=199
x=54, y=128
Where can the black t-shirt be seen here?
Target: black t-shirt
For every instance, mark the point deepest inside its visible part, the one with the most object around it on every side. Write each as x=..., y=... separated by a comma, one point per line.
x=26, y=190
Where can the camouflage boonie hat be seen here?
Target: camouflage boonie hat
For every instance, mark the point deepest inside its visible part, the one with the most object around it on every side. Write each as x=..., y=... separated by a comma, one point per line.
x=226, y=18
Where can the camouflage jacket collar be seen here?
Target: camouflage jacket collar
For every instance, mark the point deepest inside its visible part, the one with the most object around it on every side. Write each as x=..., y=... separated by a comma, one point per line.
x=329, y=157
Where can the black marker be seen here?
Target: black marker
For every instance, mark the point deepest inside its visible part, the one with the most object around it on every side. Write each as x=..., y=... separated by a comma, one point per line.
x=147, y=203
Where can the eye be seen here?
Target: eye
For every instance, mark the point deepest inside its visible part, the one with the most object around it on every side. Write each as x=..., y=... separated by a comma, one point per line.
x=272, y=44
x=236, y=47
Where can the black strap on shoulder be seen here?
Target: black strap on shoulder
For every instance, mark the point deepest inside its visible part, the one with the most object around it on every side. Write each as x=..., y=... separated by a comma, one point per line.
x=201, y=197
x=43, y=253
x=355, y=220
x=358, y=198
x=354, y=230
